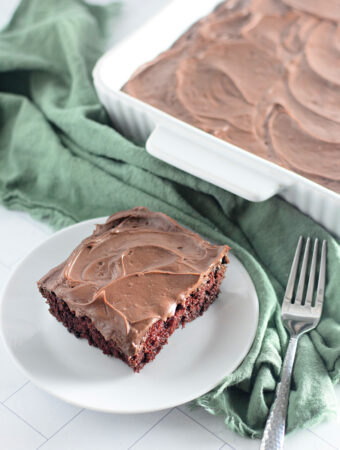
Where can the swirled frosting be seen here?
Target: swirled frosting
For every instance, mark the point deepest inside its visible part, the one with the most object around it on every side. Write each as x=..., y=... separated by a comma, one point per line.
x=261, y=74
x=132, y=271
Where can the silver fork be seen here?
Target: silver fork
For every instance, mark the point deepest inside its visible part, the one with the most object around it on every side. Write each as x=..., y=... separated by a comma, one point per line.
x=298, y=317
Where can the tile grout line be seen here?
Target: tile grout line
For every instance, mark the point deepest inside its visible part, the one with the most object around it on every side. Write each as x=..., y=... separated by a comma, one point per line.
x=227, y=445
x=27, y=423
x=203, y=426
x=224, y=446
x=320, y=437
x=59, y=429
x=151, y=428
x=19, y=389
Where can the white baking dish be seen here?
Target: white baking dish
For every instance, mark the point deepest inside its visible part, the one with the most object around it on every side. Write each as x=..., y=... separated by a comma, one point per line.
x=187, y=147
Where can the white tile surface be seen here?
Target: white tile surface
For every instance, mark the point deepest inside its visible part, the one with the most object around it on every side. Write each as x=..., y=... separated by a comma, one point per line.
x=24, y=236
x=11, y=378
x=304, y=439
x=177, y=431
x=91, y=430
x=132, y=17
x=216, y=425
x=15, y=434
x=330, y=431
x=4, y=274
x=44, y=412
x=35, y=412
x=7, y=9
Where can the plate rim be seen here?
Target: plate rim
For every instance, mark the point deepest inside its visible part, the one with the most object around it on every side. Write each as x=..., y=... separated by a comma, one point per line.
x=35, y=380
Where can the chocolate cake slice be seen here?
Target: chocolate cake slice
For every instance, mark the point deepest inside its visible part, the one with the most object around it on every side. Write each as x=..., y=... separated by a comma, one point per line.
x=129, y=285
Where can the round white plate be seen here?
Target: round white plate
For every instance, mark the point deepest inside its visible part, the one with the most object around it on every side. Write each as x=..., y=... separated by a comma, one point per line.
x=195, y=360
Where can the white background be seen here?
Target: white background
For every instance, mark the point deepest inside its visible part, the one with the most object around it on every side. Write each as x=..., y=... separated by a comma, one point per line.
x=31, y=419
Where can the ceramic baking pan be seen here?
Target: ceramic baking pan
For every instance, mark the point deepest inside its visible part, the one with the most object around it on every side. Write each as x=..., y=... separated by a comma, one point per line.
x=188, y=147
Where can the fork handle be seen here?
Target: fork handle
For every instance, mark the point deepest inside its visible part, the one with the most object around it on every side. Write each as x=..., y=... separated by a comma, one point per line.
x=274, y=432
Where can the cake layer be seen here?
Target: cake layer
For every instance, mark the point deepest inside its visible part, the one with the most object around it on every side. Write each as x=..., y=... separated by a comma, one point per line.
x=133, y=271
x=157, y=336
x=261, y=74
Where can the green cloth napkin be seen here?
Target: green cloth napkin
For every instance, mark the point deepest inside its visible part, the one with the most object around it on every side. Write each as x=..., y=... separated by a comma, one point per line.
x=61, y=161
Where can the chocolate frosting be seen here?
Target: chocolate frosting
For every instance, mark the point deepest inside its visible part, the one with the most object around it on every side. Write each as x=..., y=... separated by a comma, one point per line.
x=132, y=271
x=261, y=74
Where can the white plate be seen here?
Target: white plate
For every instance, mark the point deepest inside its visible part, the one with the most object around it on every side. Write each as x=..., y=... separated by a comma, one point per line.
x=194, y=361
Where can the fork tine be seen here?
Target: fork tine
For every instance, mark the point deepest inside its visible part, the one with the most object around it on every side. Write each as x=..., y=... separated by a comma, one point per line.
x=311, y=281
x=322, y=279
x=292, y=276
x=301, y=284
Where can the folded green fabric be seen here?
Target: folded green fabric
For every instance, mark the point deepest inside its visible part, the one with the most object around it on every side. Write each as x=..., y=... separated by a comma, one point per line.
x=61, y=161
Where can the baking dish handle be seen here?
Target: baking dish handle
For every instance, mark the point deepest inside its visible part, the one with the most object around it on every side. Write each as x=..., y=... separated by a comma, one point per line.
x=208, y=158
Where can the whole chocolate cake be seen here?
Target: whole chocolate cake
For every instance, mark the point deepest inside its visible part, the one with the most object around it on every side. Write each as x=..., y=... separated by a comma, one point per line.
x=129, y=285
x=261, y=74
